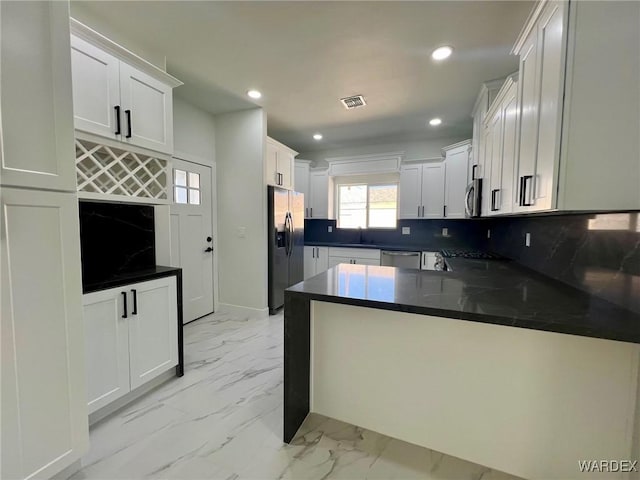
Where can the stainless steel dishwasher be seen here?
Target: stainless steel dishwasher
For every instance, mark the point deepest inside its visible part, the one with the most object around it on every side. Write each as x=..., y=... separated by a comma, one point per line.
x=400, y=259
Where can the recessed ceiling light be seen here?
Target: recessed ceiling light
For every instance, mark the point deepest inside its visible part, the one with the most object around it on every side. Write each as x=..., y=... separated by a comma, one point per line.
x=434, y=122
x=442, y=52
x=317, y=136
x=254, y=94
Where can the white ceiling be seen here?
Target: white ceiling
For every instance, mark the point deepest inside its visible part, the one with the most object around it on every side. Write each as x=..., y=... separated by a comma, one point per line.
x=304, y=56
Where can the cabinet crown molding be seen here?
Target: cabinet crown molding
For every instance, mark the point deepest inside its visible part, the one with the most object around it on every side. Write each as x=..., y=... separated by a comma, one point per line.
x=95, y=38
x=422, y=160
x=486, y=89
x=464, y=143
x=282, y=145
x=510, y=80
x=528, y=26
x=365, y=164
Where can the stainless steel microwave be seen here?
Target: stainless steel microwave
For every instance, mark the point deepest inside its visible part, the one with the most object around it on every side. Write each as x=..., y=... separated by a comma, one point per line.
x=473, y=198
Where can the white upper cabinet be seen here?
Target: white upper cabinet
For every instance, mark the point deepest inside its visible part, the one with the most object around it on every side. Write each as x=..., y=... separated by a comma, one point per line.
x=319, y=195
x=422, y=190
x=119, y=96
x=410, y=194
x=540, y=96
x=301, y=184
x=96, y=92
x=456, y=162
x=147, y=107
x=279, y=165
x=433, y=189
x=37, y=109
x=499, y=139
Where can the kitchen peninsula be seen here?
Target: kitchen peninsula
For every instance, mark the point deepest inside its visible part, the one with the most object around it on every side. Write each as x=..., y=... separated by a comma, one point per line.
x=489, y=362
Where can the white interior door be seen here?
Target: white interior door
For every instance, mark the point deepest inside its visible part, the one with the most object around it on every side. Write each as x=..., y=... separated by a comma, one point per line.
x=192, y=236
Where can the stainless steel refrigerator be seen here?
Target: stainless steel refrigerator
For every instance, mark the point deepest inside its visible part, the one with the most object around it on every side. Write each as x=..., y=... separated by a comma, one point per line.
x=286, y=243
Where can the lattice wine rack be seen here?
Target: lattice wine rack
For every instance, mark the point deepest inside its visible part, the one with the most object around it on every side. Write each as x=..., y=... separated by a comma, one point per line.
x=108, y=170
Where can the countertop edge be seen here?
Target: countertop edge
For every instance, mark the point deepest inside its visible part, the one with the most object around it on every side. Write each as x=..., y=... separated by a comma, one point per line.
x=474, y=317
x=134, y=277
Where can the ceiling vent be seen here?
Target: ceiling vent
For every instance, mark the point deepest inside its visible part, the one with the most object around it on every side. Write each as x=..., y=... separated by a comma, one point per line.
x=353, y=102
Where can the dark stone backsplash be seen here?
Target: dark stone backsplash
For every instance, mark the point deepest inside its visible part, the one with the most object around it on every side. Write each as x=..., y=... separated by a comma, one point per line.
x=425, y=234
x=597, y=253
x=115, y=239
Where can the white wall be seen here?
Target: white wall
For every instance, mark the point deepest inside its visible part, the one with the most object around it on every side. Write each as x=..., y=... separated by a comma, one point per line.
x=415, y=150
x=242, y=210
x=193, y=131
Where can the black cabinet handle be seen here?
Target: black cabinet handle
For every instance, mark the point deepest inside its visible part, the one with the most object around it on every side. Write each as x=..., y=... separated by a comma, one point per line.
x=128, y=114
x=493, y=200
x=523, y=190
x=473, y=172
x=125, y=309
x=117, y=109
x=444, y=211
x=135, y=302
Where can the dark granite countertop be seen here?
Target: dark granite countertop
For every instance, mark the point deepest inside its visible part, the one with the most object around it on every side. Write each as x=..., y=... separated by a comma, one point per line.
x=398, y=248
x=489, y=291
x=158, y=271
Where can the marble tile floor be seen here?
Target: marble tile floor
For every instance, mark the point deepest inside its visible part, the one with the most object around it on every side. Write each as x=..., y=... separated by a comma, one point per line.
x=223, y=420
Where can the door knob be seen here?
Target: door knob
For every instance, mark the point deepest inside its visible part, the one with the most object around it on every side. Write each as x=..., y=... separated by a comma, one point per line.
x=209, y=249
x=209, y=239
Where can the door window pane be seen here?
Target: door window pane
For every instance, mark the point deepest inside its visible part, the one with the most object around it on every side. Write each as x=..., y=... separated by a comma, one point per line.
x=180, y=195
x=194, y=196
x=194, y=180
x=180, y=177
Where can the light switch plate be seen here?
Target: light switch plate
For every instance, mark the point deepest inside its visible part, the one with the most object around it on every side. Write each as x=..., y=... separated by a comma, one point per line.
x=489, y=233
x=406, y=230
x=527, y=240
x=329, y=229
x=445, y=232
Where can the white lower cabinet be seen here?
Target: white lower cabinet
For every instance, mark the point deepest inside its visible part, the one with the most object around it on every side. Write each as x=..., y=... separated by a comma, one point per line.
x=356, y=256
x=316, y=260
x=131, y=337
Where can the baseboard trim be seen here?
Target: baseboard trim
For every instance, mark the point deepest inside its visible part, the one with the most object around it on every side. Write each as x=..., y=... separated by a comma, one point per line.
x=116, y=405
x=240, y=310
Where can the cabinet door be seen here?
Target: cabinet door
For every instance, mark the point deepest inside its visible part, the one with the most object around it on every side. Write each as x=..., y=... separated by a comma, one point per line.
x=96, y=90
x=309, y=262
x=271, y=168
x=322, y=259
x=153, y=329
x=319, y=198
x=506, y=197
x=410, y=191
x=44, y=400
x=433, y=180
x=106, y=332
x=550, y=41
x=301, y=183
x=456, y=162
x=147, y=110
x=528, y=131
x=36, y=98
x=494, y=165
x=285, y=168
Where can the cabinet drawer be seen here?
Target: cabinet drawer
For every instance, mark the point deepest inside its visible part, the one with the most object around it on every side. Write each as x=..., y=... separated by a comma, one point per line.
x=368, y=253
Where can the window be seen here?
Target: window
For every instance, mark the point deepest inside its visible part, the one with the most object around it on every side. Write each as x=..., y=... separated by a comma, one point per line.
x=186, y=187
x=366, y=205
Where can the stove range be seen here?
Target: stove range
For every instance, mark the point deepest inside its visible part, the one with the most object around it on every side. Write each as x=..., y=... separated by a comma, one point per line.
x=472, y=254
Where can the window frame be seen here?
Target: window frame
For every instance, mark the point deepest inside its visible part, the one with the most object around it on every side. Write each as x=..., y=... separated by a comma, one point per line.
x=374, y=183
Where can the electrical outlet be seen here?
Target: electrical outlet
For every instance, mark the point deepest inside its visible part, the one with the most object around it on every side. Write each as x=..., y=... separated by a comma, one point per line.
x=488, y=233
x=527, y=240
x=445, y=232
x=329, y=229
x=242, y=232
x=406, y=230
